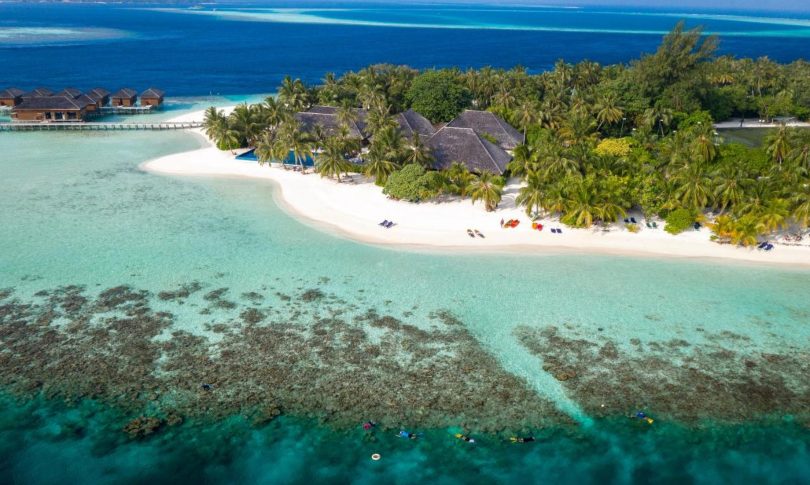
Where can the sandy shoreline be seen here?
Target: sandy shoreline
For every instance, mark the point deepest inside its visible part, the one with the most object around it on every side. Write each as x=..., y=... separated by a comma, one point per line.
x=354, y=209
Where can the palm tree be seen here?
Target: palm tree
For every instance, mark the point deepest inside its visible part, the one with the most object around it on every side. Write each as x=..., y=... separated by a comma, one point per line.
x=778, y=145
x=531, y=196
x=379, y=167
x=608, y=111
x=331, y=161
x=417, y=152
x=746, y=231
x=658, y=117
x=460, y=178
x=487, y=188
x=731, y=186
x=581, y=207
x=216, y=127
x=693, y=187
x=269, y=148
x=801, y=206
x=243, y=120
x=293, y=94
x=704, y=146
x=526, y=115
x=774, y=215
x=291, y=139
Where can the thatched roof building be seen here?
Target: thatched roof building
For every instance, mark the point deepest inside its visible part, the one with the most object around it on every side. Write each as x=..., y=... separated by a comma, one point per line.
x=52, y=108
x=326, y=117
x=124, y=97
x=152, y=97
x=411, y=122
x=72, y=92
x=100, y=96
x=452, y=144
x=486, y=123
x=37, y=92
x=11, y=97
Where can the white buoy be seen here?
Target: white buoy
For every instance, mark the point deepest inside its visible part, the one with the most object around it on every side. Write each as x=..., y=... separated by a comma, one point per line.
x=375, y=457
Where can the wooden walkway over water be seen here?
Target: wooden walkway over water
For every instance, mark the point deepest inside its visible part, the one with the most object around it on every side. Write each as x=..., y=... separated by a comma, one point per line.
x=93, y=126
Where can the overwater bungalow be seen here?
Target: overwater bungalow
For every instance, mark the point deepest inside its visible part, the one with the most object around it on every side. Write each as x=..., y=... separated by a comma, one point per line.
x=100, y=96
x=125, y=97
x=52, y=108
x=452, y=144
x=152, y=97
x=485, y=124
x=11, y=97
x=72, y=92
x=37, y=93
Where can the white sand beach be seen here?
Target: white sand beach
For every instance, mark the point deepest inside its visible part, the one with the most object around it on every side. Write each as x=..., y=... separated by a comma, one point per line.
x=354, y=209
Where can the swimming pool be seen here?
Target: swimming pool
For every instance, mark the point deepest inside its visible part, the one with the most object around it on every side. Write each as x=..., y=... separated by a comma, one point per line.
x=250, y=155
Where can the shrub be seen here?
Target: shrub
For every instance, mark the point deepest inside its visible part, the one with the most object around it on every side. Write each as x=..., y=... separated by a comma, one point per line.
x=614, y=147
x=412, y=183
x=679, y=220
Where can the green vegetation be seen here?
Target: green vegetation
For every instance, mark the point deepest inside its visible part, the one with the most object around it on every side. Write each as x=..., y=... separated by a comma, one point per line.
x=600, y=140
x=412, y=183
x=438, y=95
x=679, y=220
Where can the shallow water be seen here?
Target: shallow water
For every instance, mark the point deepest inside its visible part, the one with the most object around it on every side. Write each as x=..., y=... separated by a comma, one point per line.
x=562, y=346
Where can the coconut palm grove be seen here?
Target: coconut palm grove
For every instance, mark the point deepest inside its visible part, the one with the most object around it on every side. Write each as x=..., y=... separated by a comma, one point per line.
x=599, y=140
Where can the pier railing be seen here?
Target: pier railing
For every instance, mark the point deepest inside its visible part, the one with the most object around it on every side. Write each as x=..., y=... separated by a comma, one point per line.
x=93, y=126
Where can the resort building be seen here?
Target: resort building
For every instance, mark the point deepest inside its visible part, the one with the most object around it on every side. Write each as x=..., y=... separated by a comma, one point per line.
x=72, y=92
x=52, y=109
x=125, y=97
x=37, y=93
x=11, y=97
x=452, y=144
x=152, y=97
x=325, y=118
x=411, y=122
x=100, y=96
x=488, y=124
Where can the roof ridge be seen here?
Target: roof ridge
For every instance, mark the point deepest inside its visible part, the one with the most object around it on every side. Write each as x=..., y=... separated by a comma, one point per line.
x=491, y=158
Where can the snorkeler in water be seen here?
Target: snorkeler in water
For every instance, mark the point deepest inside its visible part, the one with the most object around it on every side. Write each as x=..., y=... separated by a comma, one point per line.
x=466, y=438
x=521, y=439
x=368, y=425
x=407, y=435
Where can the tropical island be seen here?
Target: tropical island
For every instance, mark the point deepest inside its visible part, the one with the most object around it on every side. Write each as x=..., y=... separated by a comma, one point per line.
x=628, y=149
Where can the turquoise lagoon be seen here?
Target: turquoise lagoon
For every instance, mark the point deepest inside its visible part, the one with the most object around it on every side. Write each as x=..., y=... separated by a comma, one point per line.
x=715, y=352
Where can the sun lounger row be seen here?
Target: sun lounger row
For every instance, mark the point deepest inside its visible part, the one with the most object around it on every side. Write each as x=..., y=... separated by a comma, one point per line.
x=387, y=224
x=766, y=246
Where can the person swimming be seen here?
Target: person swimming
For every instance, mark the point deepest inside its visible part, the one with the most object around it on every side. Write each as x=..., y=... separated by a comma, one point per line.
x=641, y=415
x=368, y=425
x=407, y=435
x=465, y=438
x=521, y=439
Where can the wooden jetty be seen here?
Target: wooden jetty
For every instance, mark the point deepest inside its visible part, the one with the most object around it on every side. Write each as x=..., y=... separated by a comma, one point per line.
x=126, y=110
x=99, y=126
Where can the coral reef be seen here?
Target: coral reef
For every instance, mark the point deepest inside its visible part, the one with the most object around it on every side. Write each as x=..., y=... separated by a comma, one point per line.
x=673, y=378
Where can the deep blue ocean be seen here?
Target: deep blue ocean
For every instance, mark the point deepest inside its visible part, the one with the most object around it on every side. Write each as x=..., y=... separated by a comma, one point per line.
x=246, y=49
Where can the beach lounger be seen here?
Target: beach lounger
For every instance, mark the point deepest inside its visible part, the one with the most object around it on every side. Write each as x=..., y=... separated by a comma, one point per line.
x=655, y=225
x=769, y=247
x=649, y=226
x=383, y=223
x=697, y=226
x=389, y=225
x=559, y=231
x=627, y=221
x=478, y=233
x=762, y=245
x=633, y=220
x=470, y=233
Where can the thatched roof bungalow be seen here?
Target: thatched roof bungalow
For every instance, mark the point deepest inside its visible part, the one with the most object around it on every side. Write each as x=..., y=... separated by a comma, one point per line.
x=411, y=122
x=152, y=97
x=326, y=118
x=72, y=92
x=11, y=97
x=100, y=96
x=52, y=108
x=452, y=144
x=37, y=93
x=125, y=97
x=485, y=123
